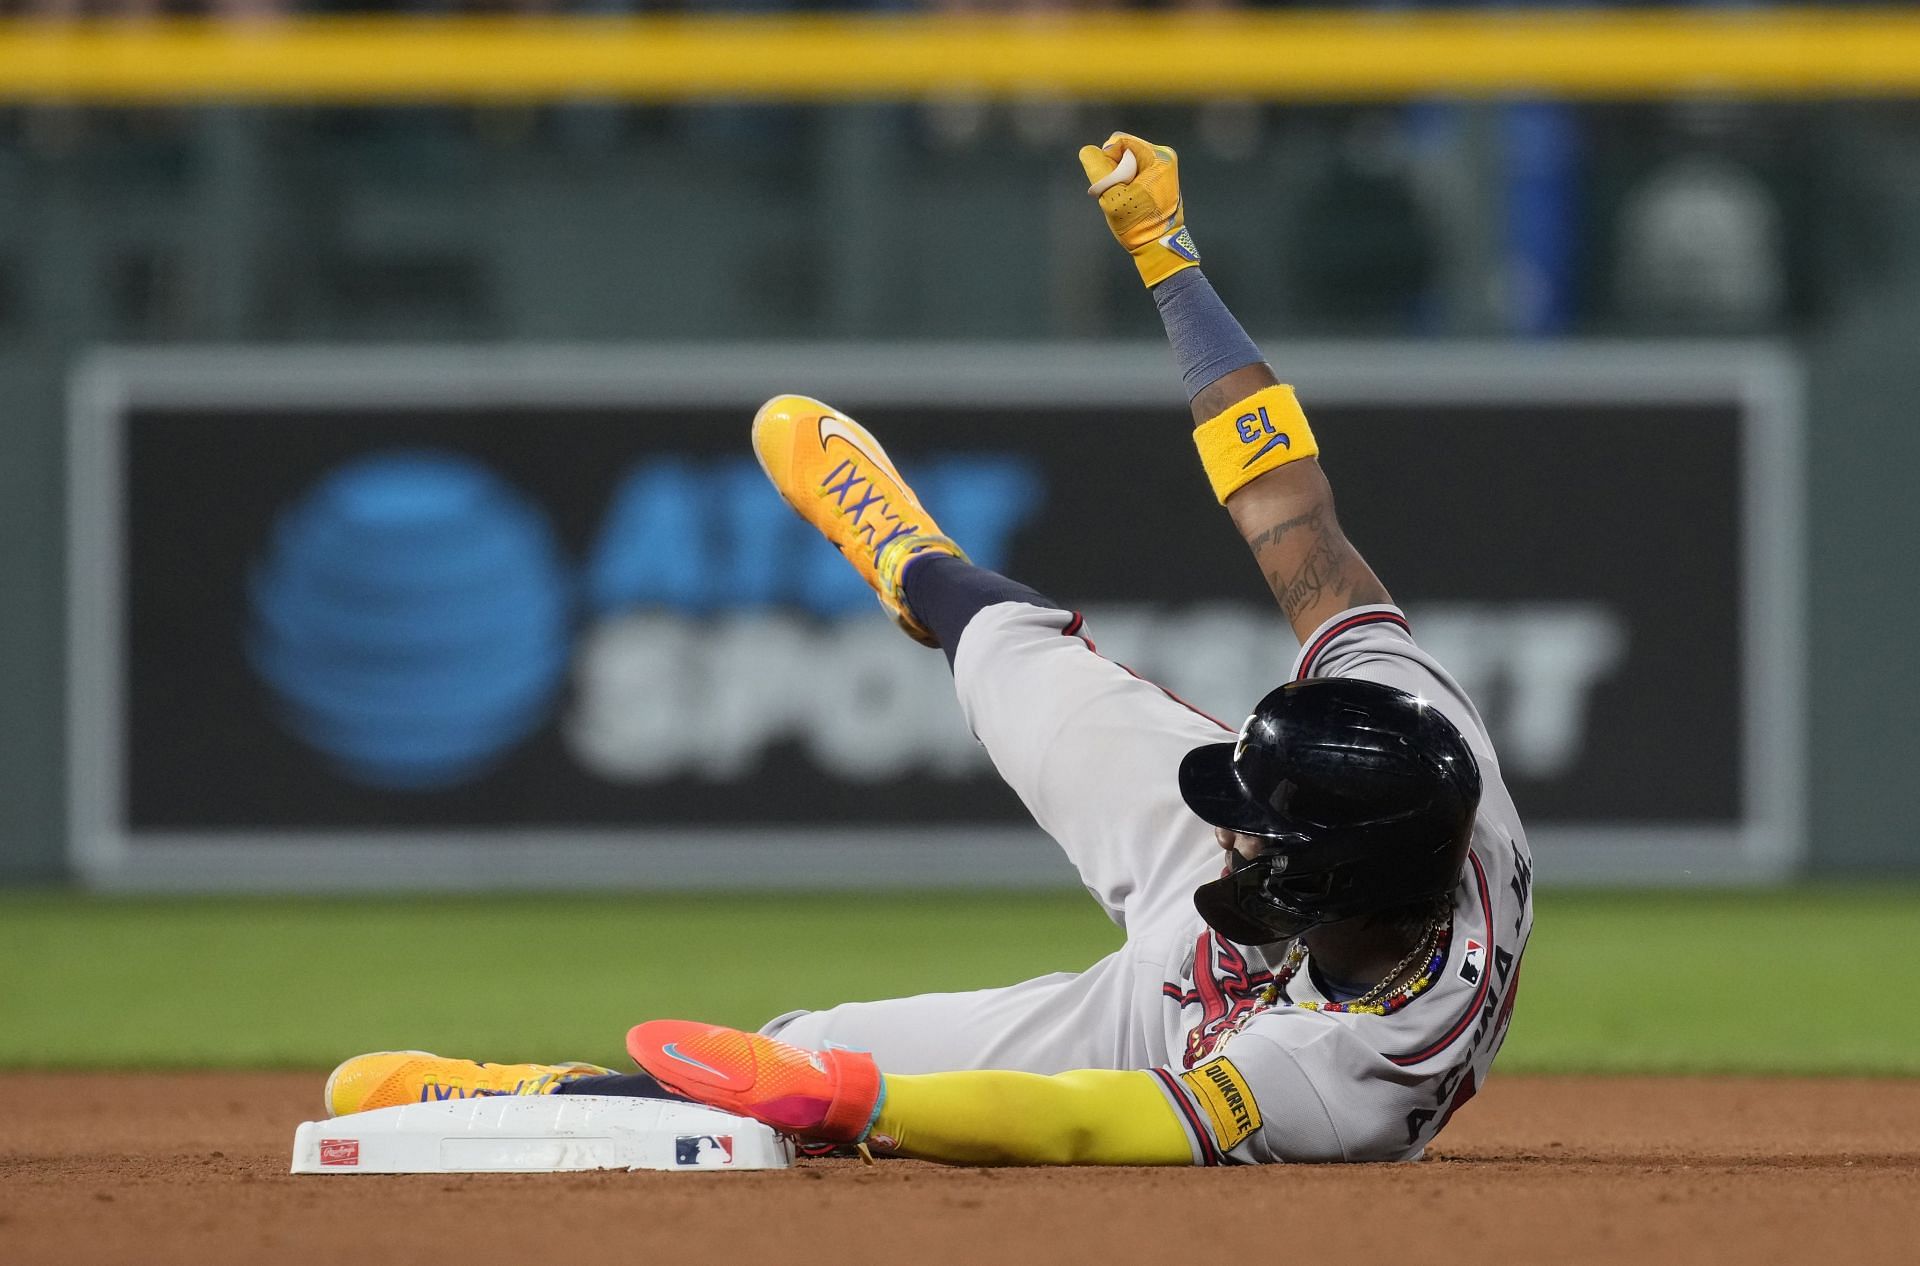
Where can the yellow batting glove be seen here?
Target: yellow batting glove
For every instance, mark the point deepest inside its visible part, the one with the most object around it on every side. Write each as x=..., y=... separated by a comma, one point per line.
x=1138, y=185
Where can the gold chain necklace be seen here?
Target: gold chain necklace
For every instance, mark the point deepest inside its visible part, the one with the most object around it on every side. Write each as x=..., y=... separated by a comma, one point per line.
x=1419, y=953
x=1382, y=999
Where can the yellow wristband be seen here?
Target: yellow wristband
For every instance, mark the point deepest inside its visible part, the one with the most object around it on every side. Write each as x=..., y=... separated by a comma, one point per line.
x=1265, y=430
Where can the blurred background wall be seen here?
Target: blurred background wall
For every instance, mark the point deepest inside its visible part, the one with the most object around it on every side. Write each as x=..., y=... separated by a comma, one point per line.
x=964, y=217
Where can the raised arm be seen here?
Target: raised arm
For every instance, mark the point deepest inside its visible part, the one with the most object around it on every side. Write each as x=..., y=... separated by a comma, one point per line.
x=1287, y=519
x=1278, y=495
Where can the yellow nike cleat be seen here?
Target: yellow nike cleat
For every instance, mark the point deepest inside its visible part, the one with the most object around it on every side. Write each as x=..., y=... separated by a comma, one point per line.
x=386, y=1079
x=836, y=476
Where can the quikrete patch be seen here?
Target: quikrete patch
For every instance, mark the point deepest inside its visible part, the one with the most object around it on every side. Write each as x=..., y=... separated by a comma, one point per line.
x=1223, y=1092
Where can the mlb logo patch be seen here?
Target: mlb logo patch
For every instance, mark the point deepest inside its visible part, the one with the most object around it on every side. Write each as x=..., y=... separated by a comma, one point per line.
x=703, y=1151
x=1473, y=963
x=341, y=1152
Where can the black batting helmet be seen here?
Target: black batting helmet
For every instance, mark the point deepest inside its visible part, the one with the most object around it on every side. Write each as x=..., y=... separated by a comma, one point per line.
x=1366, y=792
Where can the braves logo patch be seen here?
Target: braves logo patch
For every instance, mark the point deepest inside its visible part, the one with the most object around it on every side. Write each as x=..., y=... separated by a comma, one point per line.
x=1230, y=992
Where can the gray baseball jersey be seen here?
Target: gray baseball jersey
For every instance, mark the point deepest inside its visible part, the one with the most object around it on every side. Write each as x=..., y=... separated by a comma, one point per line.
x=1256, y=1064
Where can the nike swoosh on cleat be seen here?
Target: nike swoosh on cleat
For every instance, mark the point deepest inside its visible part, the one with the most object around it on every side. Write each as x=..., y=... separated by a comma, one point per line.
x=672, y=1051
x=832, y=427
x=1280, y=439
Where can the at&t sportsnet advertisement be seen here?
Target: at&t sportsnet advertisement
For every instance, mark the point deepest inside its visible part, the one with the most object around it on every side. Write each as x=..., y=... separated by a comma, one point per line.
x=524, y=617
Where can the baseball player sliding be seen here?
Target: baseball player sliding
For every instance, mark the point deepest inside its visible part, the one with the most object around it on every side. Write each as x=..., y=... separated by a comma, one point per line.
x=1325, y=913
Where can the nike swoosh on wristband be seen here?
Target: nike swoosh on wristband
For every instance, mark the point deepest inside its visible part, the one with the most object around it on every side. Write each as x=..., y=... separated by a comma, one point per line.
x=1280, y=439
x=672, y=1051
x=832, y=427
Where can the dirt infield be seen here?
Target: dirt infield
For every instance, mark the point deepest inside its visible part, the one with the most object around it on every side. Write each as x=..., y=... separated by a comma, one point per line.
x=191, y=1170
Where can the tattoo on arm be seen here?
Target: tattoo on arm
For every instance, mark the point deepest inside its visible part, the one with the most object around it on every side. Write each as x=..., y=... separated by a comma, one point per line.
x=1321, y=574
x=1271, y=536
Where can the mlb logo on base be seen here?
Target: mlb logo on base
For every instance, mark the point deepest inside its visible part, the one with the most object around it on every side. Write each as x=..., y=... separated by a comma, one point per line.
x=339, y=1151
x=703, y=1151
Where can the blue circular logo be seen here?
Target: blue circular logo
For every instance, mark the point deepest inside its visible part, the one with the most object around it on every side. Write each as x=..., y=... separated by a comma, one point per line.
x=412, y=617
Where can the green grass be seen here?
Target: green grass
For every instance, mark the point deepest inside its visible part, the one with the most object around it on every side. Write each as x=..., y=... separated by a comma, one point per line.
x=1799, y=981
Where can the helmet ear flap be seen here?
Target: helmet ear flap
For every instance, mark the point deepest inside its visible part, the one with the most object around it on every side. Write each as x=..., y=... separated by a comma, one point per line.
x=1238, y=906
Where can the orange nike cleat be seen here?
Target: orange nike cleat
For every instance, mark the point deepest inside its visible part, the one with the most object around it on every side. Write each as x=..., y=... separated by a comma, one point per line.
x=836, y=476
x=831, y=1096
x=386, y=1079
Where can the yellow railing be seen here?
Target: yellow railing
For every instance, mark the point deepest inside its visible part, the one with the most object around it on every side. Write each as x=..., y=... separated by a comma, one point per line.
x=1282, y=57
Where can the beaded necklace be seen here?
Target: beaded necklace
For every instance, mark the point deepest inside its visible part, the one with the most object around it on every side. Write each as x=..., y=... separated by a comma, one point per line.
x=1377, y=1000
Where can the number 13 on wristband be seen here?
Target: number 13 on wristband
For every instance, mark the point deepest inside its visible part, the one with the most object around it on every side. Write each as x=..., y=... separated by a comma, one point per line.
x=1248, y=439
